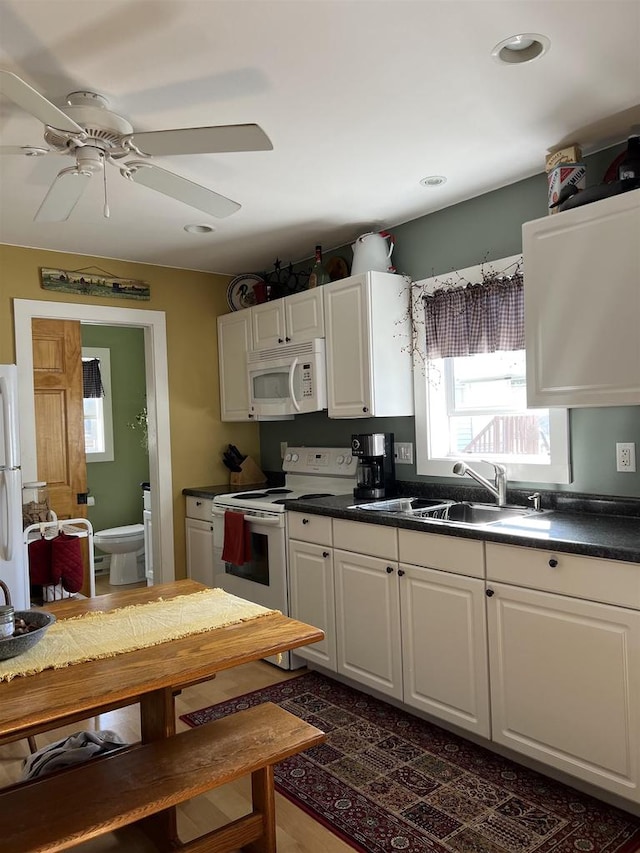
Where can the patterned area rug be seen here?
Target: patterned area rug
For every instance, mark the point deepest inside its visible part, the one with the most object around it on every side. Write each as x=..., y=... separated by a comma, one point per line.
x=386, y=781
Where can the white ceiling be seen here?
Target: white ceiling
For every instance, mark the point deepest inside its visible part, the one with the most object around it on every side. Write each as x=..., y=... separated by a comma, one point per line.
x=361, y=99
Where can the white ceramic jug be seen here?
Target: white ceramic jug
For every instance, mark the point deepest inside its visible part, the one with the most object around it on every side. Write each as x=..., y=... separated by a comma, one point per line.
x=372, y=251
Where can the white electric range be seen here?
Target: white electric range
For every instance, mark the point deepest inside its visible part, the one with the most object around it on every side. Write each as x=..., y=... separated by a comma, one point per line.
x=310, y=472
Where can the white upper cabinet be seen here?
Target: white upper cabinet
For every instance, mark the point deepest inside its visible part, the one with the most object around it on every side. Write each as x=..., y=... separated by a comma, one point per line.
x=369, y=371
x=582, y=304
x=291, y=320
x=234, y=342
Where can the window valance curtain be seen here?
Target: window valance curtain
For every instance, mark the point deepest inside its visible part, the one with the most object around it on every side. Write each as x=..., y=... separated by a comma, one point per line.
x=475, y=318
x=91, y=378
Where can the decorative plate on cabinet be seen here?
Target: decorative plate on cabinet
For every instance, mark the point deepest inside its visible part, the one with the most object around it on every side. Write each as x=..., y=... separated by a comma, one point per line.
x=240, y=292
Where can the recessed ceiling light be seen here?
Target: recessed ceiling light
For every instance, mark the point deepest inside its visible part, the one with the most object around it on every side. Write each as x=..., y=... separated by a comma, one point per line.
x=199, y=229
x=433, y=181
x=524, y=47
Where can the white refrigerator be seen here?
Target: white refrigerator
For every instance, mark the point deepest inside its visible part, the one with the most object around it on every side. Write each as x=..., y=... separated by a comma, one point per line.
x=13, y=565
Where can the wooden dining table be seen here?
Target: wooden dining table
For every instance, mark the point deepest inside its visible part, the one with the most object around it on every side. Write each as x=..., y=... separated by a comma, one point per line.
x=150, y=676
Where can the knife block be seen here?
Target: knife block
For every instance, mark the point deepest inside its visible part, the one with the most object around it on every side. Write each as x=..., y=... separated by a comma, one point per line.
x=249, y=475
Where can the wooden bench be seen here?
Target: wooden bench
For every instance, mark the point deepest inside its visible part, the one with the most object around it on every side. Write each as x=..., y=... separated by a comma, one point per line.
x=58, y=811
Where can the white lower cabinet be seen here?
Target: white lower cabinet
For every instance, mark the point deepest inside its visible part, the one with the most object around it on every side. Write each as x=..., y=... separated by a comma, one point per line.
x=368, y=621
x=311, y=598
x=565, y=672
x=198, y=525
x=444, y=646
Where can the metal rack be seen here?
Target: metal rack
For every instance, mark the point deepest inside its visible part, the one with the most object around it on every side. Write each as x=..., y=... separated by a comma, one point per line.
x=80, y=527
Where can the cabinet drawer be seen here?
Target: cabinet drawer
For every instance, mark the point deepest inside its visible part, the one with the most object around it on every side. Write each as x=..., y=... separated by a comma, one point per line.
x=609, y=581
x=366, y=538
x=462, y=556
x=199, y=508
x=309, y=528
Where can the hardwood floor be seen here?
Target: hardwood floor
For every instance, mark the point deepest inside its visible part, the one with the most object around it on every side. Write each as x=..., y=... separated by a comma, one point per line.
x=297, y=832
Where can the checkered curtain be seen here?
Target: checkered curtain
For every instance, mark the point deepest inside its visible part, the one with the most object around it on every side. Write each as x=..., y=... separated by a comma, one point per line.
x=476, y=318
x=91, y=378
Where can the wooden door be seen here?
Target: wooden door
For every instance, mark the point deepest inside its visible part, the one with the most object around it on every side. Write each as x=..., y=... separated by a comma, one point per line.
x=58, y=391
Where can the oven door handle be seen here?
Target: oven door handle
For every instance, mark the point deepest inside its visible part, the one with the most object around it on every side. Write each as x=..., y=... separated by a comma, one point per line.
x=218, y=512
x=292, y=392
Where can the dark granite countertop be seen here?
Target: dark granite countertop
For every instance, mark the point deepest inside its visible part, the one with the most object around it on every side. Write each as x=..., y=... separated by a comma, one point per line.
x=591, y=533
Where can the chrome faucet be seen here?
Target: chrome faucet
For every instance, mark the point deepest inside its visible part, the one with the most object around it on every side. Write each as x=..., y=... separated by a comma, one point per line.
x=498, y=490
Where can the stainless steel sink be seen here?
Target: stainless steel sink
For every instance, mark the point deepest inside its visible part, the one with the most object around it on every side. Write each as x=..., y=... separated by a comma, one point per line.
x=446, y=511
x=470, y=513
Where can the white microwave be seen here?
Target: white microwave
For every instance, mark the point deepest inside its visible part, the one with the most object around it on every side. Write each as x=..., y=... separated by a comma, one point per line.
x=288, y=380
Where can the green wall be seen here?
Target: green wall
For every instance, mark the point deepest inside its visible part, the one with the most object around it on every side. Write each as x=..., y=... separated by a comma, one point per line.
x=481, y=229
x=116, y=485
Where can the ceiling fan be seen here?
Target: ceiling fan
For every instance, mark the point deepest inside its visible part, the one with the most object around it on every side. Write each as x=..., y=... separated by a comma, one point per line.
x=92, y=135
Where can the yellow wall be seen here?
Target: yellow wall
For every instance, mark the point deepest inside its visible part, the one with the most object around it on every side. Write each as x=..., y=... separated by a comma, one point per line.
x=191, y=302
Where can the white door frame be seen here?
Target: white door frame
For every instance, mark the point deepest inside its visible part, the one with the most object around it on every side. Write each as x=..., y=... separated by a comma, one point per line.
x=155, y=350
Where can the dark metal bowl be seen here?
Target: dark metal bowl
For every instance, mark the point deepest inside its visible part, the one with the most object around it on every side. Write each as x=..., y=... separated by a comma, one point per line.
x=11, y=647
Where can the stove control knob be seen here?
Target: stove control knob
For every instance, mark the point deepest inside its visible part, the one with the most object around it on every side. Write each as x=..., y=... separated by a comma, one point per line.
x=349, y=460
x=340, y=460
x=294, y=457
x=287, y=457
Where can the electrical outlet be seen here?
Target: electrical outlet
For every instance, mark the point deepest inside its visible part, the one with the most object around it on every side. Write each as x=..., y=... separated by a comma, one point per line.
x=403, y=452
x=626, y=456
x=283, y=449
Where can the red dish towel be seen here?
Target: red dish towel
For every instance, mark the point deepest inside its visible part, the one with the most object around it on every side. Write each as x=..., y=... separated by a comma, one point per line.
x=236, y=547
x=40, y=562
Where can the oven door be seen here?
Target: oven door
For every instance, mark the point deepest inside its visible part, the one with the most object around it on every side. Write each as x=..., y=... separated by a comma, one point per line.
x=263, y=579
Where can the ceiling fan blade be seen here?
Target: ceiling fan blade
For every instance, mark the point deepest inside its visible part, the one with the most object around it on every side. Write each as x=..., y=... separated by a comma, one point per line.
x=33, y=102
x=27, y=150
x=63, y=195
x=203, y=140
x=181, y=189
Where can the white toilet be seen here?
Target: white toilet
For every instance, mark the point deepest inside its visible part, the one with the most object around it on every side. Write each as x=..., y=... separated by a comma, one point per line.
x=125, y=544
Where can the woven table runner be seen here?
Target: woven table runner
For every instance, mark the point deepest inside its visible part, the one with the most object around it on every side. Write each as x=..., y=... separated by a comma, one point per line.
x=106, y=634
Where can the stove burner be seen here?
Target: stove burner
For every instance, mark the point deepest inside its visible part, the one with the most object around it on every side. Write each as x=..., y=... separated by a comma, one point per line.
x=279, y=491
x=313, y=496
x=252, y=495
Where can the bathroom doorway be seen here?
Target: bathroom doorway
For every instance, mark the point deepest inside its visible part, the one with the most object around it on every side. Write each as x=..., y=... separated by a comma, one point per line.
x=157, y=398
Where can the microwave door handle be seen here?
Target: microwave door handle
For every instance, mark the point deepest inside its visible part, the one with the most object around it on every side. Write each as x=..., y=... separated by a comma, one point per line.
x=292, y=392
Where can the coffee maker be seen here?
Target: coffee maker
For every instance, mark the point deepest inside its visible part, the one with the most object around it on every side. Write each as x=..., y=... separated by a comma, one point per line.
x=376, y=470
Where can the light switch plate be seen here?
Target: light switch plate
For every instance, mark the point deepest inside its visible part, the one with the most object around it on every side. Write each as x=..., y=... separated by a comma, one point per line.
x=403, y=452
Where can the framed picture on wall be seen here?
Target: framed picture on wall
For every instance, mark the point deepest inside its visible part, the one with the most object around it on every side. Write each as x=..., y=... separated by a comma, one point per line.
x=99, y=283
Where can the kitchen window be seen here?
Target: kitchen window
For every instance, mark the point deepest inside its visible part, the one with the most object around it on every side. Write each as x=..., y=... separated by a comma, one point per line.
x=473, y=406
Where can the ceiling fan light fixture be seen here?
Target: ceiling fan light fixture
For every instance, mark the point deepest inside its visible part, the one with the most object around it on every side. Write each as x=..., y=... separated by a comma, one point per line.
x=199, y=229
x=521, y=48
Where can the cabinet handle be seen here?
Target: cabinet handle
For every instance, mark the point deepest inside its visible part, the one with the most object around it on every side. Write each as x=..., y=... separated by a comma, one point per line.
x=490, y=592
x=250, y=415
x=280, y=341
x=400, y=573
x=288, y=340
x=305, y=521
x=553, y=563
x=364, y=409
x=325, y=554
x=198, y=503
x=389, y=570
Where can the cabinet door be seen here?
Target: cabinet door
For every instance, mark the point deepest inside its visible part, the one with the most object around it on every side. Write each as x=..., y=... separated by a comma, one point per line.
x=268, y=325
x=234, y=342
x=199, y=538
x=368, y=621
x=582, y=305
x=565, y=684
x=444, y=647
x=312, y=597
x=304, y=314
x=348, y=361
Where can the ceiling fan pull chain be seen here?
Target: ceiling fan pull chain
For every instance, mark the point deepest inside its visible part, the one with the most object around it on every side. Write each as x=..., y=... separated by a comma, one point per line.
x=105, y=210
